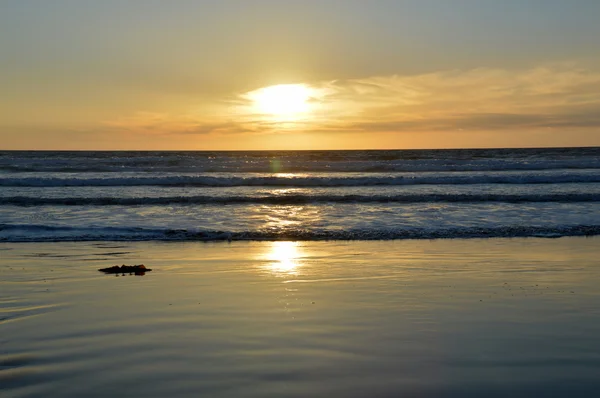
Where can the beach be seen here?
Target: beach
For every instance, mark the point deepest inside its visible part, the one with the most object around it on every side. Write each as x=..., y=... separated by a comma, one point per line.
x=424, y=318
x=297, y=199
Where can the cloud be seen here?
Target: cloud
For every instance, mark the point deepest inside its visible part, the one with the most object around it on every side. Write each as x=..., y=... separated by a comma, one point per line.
x=487, y=122
x=477, y=100
x=547, y=97
x=151, y=123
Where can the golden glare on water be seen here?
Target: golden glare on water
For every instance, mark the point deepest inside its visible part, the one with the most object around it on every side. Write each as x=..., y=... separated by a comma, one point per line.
x=284, y=257
x=283, y=101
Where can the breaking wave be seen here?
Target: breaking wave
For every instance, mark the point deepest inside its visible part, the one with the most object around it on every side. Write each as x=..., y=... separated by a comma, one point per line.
x=44, y=233
x=291, y=199
x=312, y=181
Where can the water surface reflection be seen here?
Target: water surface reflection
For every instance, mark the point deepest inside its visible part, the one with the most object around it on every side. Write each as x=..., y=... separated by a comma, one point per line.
x=284, y=258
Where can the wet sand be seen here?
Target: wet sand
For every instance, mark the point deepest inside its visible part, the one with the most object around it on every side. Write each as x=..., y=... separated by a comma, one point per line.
x=444, y=318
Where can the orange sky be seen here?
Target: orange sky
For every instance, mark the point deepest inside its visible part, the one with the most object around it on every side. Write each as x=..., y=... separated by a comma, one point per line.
x=371, y=74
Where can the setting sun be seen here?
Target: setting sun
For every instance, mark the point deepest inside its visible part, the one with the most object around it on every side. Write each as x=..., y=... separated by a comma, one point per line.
x=283, y=100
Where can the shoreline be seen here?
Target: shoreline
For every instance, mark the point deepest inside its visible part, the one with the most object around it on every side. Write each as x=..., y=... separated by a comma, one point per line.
x=169, y=235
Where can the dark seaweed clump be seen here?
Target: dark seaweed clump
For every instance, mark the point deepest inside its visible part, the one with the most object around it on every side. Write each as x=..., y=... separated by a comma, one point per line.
x=126, y=269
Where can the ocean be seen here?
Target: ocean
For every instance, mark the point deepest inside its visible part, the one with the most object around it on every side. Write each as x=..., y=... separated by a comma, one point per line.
x=49, y=196
x=297, y=274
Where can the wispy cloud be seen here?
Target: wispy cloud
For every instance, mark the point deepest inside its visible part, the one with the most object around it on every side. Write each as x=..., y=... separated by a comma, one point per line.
x=151, y=123
x=479, y=99
x=554, y=96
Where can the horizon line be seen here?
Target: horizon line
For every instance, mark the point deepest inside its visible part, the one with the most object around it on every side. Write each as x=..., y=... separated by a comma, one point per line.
x=296, y=150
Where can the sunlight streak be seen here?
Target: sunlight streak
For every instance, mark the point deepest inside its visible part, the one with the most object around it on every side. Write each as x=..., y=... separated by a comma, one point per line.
x=284, y=257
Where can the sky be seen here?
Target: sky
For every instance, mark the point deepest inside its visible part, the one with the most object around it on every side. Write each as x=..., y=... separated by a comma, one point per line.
x=377, y=74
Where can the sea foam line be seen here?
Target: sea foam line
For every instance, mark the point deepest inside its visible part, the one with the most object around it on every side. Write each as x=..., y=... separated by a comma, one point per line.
x=45, y=233
x=299, y=199
x=313, y=181
x=291, y=199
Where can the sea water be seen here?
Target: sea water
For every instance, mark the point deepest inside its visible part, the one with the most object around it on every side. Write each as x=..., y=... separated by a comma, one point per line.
x=299, y=195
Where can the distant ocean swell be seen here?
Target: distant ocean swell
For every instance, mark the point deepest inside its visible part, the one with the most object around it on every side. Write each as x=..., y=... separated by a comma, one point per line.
x=312, y=181
x=43, y=233
x=340, y=167
x=303, y=161
x=300, y=199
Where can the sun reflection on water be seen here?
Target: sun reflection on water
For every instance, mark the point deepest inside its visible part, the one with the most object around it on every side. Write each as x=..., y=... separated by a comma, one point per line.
x=284, y=257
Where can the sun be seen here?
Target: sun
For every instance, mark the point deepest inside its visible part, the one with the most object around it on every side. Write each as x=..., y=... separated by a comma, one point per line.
x=285, y=101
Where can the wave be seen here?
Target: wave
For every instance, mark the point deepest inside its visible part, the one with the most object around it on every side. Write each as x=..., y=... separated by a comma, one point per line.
x=45, y=233
x=312, y=181
x=346, y=167
x=298, y=199
x=303, y=161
